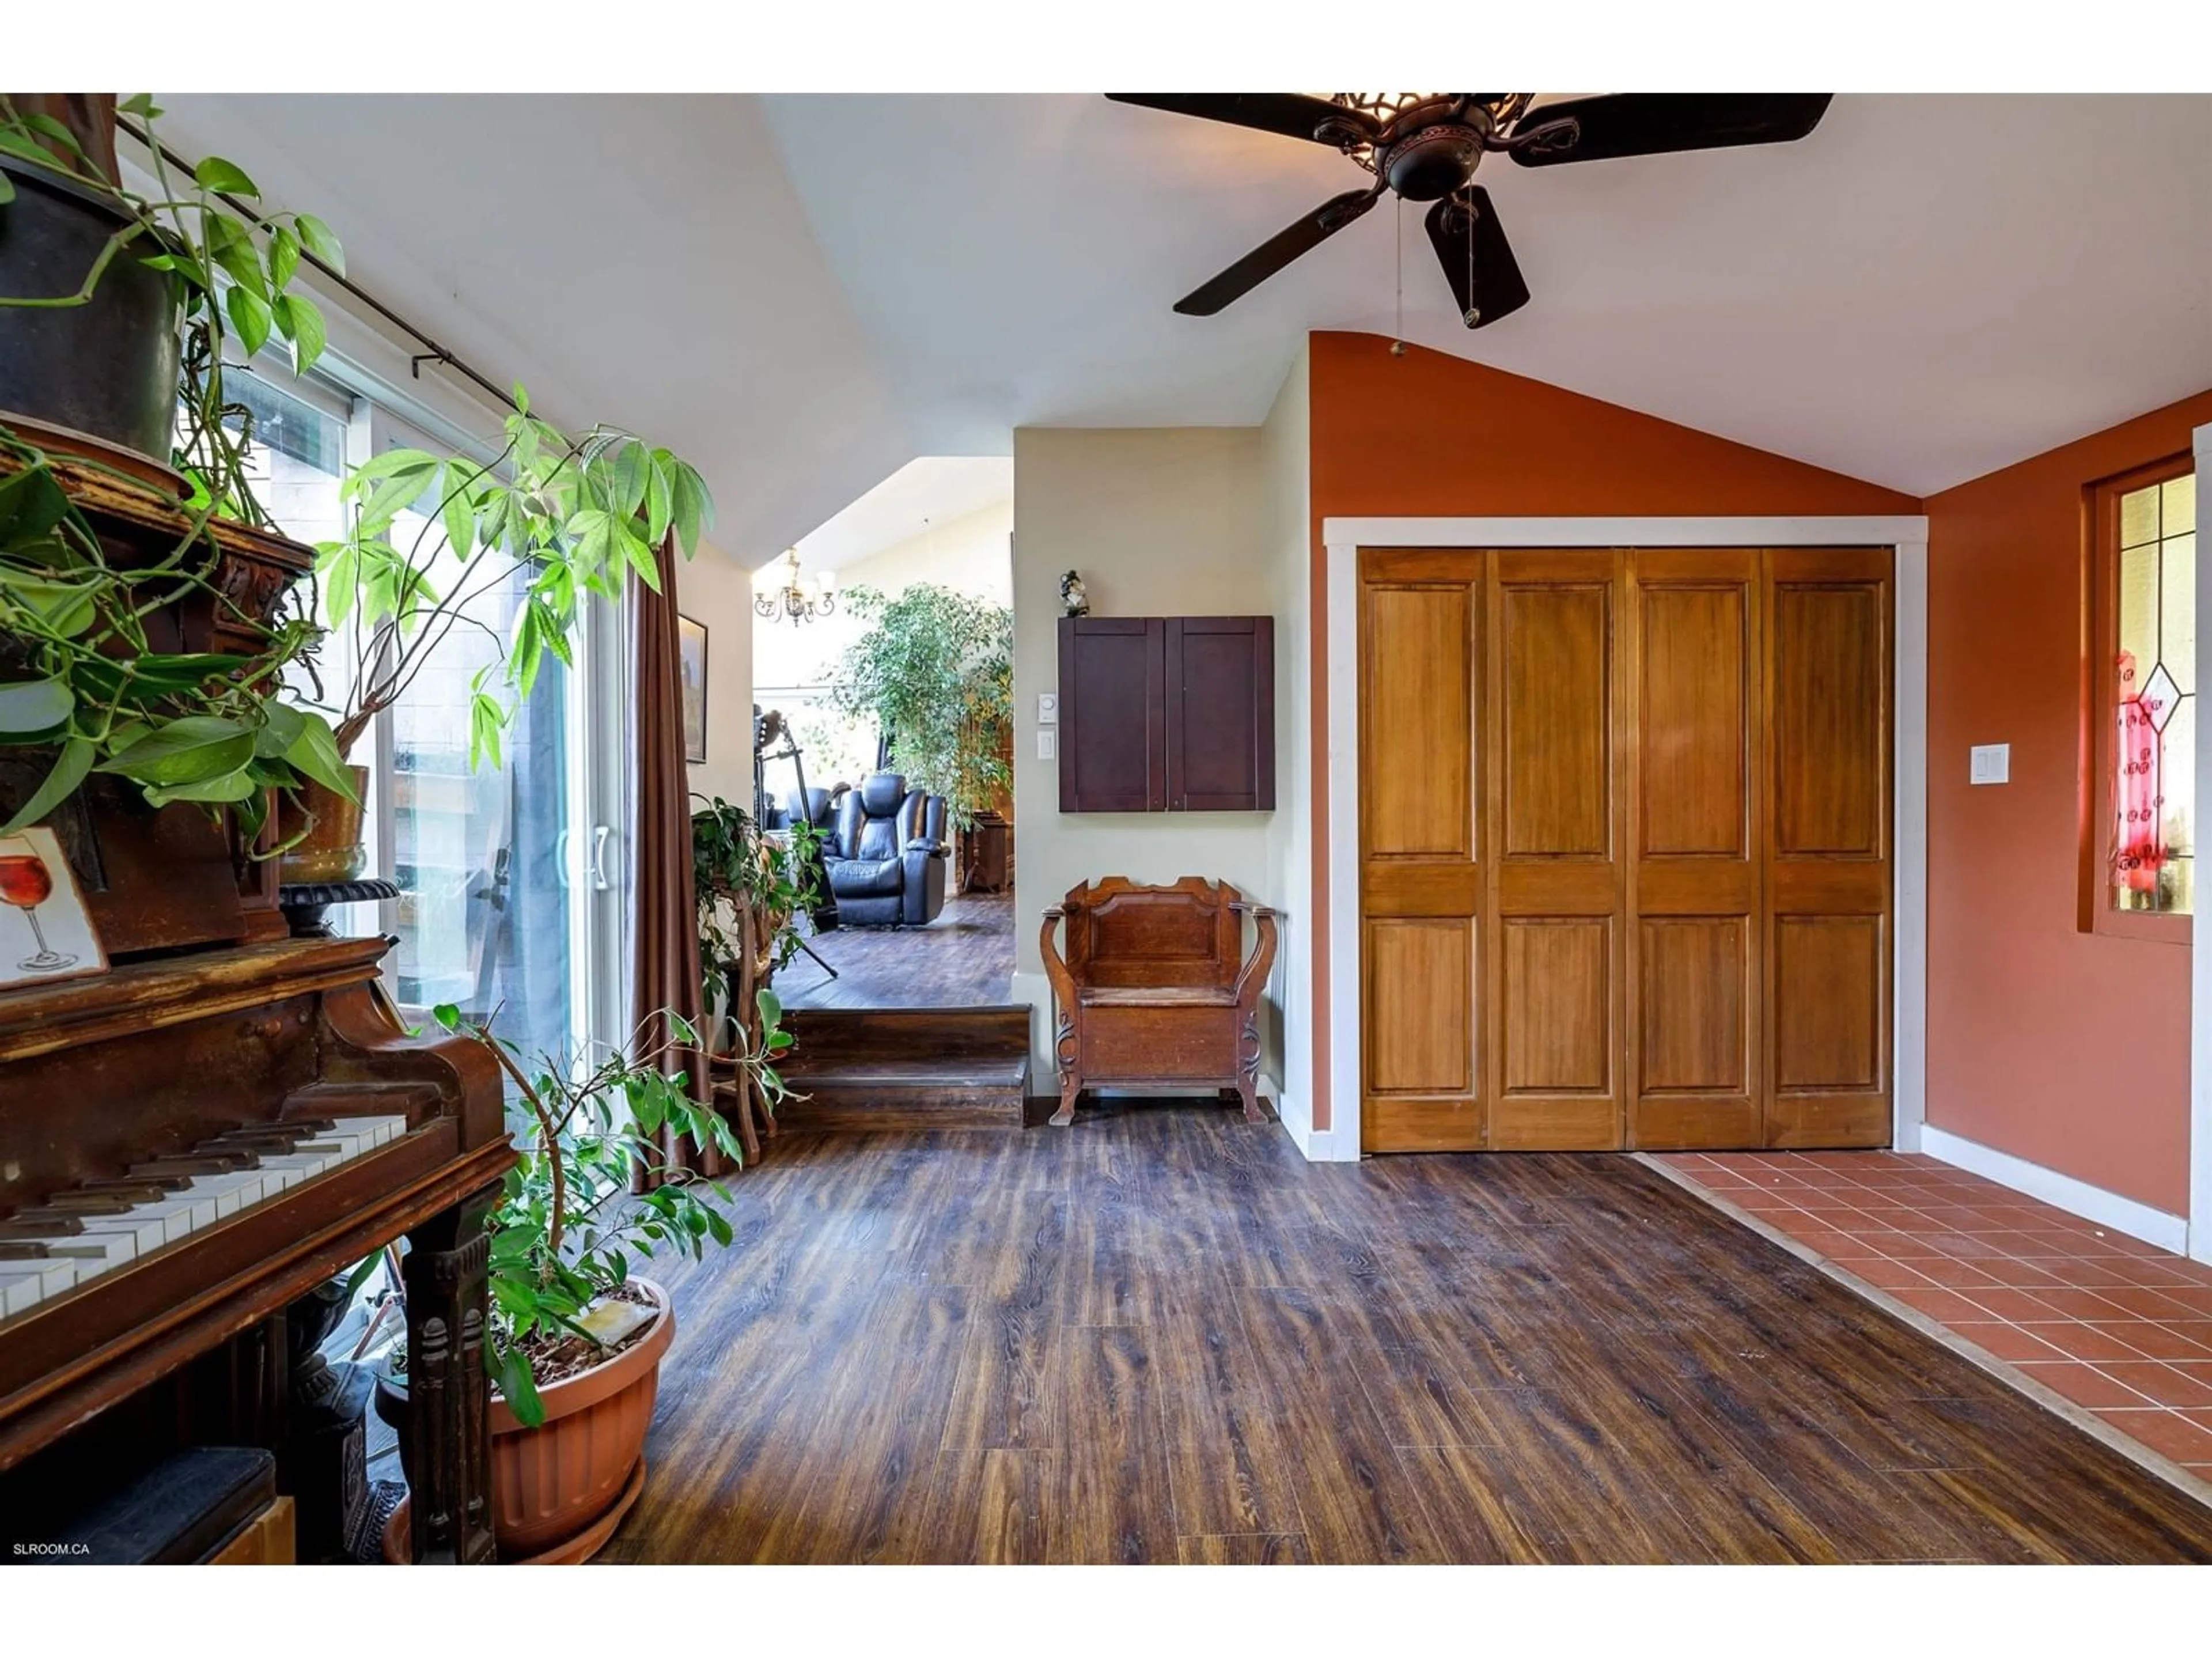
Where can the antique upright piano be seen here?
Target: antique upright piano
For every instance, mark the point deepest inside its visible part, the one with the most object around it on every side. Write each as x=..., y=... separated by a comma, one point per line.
x=192, y=1141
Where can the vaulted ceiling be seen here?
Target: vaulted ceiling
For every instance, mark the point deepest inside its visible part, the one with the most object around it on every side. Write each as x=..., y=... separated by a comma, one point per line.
x=803, y=293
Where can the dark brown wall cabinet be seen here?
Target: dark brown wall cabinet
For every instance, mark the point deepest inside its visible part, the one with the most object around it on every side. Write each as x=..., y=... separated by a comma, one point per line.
x=1167, y=713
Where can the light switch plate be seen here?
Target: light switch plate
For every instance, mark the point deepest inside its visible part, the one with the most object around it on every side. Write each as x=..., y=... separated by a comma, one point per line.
x=1047, y=744
x=1990, y=763
x=1047, y=708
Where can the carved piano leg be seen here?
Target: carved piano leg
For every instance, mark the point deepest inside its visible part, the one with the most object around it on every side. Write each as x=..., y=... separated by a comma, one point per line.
x=448, y=1388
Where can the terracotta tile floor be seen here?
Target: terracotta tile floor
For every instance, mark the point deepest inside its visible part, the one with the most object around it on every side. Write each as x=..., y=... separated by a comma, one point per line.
x=2119, y=1327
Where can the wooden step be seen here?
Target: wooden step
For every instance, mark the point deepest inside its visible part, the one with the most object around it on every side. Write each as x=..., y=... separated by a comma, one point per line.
x=910, y=1033
x=953, y=1094
x=907, y=1068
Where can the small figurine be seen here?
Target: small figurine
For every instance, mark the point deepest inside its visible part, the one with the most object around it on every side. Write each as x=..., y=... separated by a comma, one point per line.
x=1074, y=602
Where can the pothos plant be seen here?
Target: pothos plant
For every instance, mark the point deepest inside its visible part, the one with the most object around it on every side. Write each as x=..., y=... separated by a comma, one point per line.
x=567, y=1228
x=78, y=674
x=934, y=670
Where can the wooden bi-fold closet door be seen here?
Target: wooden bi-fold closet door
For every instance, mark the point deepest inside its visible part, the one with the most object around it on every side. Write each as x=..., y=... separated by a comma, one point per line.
x=1624, y=859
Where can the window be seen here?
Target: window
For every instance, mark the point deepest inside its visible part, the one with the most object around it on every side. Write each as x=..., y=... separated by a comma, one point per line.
x=2144, y=874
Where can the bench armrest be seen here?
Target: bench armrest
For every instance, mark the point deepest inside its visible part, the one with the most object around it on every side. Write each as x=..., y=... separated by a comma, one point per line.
x=1261, y=962
x=1056, y=965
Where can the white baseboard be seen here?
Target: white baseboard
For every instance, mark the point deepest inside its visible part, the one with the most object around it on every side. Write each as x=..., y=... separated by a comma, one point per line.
x=2107, y=1209
x=1329, y=1145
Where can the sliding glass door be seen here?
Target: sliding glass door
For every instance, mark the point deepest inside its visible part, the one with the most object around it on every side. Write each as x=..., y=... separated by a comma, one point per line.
x=505, y=871
x=509, y=905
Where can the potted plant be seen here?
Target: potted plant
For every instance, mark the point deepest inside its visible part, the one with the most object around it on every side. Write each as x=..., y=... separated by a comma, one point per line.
x=576, y=1339
x=431, y=535
x=126, y=331
x=750, y=886
x=934, y=670
x=94, y=277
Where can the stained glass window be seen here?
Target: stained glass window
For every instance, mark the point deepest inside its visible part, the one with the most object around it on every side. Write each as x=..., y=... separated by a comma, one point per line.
x=2155, y=741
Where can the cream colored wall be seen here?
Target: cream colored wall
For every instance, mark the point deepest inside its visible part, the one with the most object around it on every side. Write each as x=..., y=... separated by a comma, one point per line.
x=1161, y=522
x=1285, y=473
x=968, y=555
x=714, y=588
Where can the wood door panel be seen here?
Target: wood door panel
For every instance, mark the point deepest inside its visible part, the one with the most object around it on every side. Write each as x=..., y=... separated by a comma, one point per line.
x=1694, y=756
x=1403, y=888
x=1557, y=992
x=1220, y=713
x=1420, y=624
x=1398, y=1123
x=1625, y=848
x=1420, y=1010
x=1826, y=886
x=1803, y=1122
x=1556, y=741
x=1568, y=887
x=1698, y=1123
x=1416, y=715
x=1113, y=738
x=1696, y=998
x=1830, y=698
x=1578, y=1123
x=1697, y=887
x=1827, y=1003
x=1694, y=887
x=1828, y=879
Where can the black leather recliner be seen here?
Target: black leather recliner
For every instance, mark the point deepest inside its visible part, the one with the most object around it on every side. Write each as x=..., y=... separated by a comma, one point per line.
x=886, y=854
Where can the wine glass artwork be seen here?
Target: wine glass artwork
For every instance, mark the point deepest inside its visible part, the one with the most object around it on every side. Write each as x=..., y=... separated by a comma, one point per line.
x=35, y=880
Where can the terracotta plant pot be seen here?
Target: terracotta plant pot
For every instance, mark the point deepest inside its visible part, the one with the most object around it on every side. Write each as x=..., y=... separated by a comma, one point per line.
x=551, y=1483
x=331, y=850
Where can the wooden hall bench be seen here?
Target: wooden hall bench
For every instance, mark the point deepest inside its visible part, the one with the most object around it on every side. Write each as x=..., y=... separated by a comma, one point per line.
x=1155, y=989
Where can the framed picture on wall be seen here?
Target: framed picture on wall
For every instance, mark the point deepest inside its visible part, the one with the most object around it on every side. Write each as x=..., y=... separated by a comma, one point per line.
x=691, y=657
x=46, y=932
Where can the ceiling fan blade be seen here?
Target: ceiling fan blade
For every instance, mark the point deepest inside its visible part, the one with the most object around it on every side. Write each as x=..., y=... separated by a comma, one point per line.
x=1478, y=261
x=1657, y=122
x=1277, y=251
x=1293, y=114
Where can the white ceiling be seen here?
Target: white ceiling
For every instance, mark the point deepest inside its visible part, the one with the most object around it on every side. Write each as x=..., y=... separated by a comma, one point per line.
x=1924, y=290
x=803, y=293
x=929, y=491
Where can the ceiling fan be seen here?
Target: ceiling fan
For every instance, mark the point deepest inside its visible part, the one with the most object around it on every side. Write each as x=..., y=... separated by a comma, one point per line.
x=1427, y=146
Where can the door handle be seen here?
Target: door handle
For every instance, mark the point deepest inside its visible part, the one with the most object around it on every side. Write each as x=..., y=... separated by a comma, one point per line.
x=601, y=835
x=563, y=845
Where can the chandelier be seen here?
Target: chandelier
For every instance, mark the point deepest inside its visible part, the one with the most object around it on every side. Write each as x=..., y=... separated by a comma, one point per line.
x=800, y=601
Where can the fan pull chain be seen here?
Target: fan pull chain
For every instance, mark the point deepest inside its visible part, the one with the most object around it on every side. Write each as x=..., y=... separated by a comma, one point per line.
x=1473, y=308
x=1398, y=344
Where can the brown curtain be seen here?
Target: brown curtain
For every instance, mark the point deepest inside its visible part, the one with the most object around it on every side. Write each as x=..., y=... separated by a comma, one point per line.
x=666, y=974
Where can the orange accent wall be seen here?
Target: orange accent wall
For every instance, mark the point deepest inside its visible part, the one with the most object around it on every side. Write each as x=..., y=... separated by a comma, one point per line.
x=2067, y=1048
x=1428, y=433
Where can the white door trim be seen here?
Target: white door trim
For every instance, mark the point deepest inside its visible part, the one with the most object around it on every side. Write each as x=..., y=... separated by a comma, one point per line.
x=2200, y=977
x=1342, y=538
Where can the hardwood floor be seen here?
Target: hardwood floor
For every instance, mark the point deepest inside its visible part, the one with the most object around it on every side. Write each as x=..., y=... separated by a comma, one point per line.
x=964, y=959
x=1163, y=1336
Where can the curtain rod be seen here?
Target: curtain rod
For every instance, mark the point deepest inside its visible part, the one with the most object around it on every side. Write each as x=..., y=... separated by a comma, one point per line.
x=437, y=353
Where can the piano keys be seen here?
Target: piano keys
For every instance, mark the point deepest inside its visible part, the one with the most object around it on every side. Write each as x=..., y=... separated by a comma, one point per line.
x=239, y=1125
x=48, y=1251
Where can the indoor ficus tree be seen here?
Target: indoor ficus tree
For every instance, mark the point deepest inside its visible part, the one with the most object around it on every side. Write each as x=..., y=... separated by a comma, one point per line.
x=934, y=671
